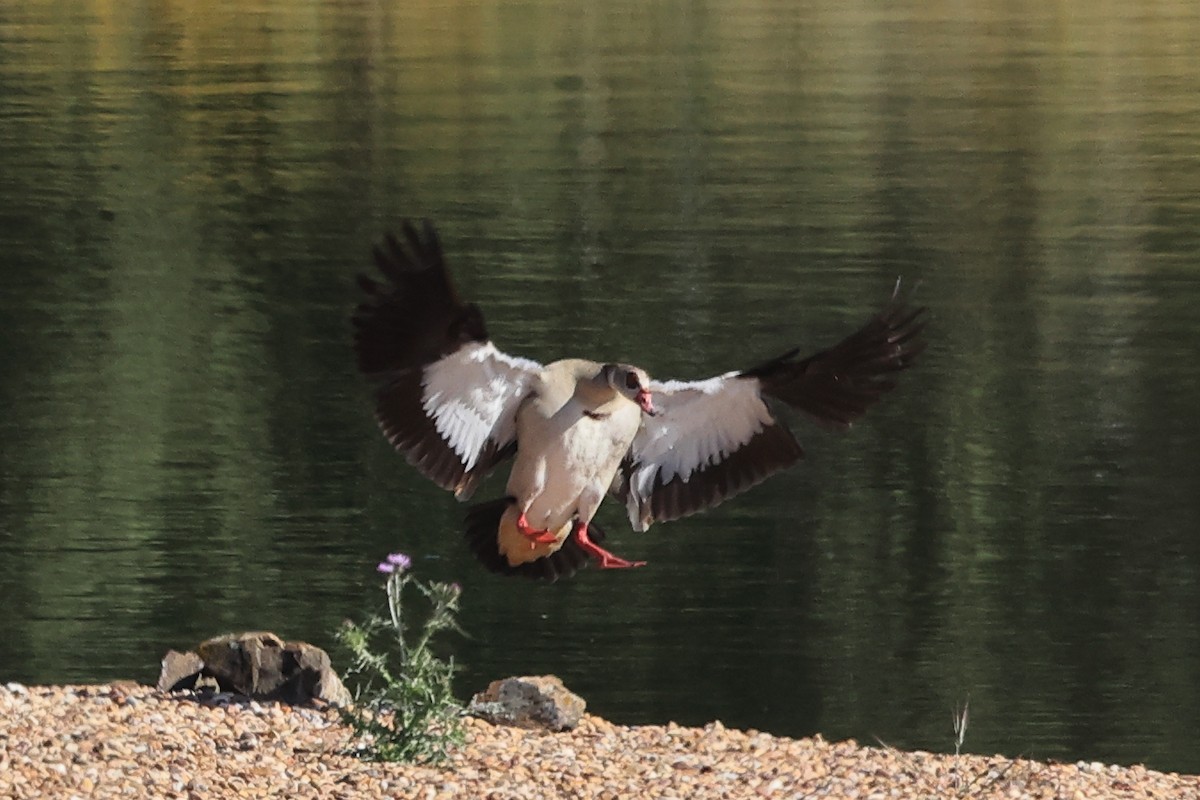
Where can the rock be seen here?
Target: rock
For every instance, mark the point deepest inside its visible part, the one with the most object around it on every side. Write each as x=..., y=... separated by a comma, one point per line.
x=316, y=677
x=259, y=665
x=179, y=671
x=247, y=663
x=533, y=701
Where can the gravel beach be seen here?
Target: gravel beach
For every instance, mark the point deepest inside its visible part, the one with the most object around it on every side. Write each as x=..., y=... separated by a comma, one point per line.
x=126, y=740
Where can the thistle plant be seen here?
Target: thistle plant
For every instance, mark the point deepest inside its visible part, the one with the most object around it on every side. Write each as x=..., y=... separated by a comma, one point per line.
x=404, y=707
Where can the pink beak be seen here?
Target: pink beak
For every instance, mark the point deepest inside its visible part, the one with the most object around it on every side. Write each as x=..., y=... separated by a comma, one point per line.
x=644, y=400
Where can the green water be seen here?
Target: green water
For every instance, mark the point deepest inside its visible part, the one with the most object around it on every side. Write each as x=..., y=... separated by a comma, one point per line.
x=186, y=192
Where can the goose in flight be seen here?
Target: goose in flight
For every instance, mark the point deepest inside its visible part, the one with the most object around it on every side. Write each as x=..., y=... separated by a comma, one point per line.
x=457, y=407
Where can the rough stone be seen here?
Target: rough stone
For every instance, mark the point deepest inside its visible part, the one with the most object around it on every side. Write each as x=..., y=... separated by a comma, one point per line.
x=259, y=665
x=179, y=671
x=531, y=701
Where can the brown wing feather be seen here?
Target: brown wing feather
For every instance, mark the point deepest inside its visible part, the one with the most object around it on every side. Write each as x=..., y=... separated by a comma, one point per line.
x=772, y=449
x=835, y=386
x=403, y=421
x=416, y=317
x=406, y=323
x=838, y=385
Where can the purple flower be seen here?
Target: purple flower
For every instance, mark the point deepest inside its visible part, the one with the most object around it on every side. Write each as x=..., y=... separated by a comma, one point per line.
x=399, y=561
x=386, y=568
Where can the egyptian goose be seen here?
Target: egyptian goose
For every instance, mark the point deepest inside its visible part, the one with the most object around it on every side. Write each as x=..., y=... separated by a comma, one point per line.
x=457, y=407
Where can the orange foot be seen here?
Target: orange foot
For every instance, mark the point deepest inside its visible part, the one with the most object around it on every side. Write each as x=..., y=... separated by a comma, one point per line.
x=534, y=535
x=605, y=559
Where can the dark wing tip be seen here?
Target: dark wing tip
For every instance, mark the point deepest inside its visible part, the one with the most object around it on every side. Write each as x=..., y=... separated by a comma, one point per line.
x=416, y=315
x=399, y=259
x=838, y=385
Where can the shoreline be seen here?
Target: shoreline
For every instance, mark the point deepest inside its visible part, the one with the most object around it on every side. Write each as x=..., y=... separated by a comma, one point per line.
x=126, y=739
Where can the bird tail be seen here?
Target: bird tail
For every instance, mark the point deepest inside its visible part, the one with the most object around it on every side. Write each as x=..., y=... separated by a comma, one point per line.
x=483, y=531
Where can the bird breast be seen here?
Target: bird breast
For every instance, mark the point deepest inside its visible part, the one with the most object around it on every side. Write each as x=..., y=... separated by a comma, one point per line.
x=566, y=462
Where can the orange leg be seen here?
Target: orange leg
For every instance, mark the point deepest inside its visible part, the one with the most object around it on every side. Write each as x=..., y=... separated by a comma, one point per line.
x=605, y=559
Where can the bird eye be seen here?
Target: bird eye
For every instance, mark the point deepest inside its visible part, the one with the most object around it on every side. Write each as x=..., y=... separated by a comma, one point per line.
x=631, y=380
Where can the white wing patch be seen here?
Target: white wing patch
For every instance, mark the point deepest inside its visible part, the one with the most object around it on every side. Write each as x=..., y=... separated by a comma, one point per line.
x=699, y=424
x=472, y=397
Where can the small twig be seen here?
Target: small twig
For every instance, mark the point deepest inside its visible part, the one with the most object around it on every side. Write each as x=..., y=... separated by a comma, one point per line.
x=884, y=745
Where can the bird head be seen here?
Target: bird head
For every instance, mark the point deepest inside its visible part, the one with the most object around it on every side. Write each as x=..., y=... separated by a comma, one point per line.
x=633, y=383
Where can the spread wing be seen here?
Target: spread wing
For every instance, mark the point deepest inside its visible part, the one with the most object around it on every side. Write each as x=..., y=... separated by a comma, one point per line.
x=447, y=398
x=716, y=438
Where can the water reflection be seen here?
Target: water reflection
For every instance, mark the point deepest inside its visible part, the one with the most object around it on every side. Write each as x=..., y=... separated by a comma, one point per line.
x=186, y=450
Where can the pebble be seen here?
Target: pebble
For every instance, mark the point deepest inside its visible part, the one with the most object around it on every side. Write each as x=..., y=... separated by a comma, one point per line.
x=125, y=740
